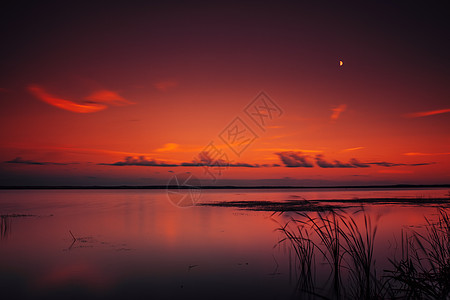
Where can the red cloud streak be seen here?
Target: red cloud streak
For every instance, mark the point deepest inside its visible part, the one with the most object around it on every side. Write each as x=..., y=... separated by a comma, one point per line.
x=94, y=102
x=63, y=103
x=428, y=113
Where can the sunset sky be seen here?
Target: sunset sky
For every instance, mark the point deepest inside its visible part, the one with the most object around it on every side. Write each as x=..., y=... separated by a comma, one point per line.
x=109, y=94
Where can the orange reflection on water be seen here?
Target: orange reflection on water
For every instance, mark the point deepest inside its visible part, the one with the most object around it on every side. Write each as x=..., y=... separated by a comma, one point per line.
x=138, y=238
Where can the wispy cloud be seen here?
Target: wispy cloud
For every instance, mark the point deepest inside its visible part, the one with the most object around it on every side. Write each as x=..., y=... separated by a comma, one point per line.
x=165, y=85
x=293, y=159
x=353, y=149
x=353, y=163
x=323, y=163
x=389, y=171
x=63, y=103
x=288, y=150
x=76, y=150
x=96, y=151
x=425, y=154
x=19, y=160
x=337, y=111
x=428, y=113
x=204, y=159
x=110, y=97
x=358, y=164
x=389, y=164
x=225, y=164
x=168, y=147
x=140, y=161
x=92, y=103
x=298, y=159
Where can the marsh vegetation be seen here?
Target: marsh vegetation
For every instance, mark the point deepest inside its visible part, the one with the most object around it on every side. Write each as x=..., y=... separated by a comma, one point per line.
x=334, y=257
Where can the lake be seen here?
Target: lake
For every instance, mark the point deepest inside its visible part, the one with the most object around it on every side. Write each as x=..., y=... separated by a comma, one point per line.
x=136, y=244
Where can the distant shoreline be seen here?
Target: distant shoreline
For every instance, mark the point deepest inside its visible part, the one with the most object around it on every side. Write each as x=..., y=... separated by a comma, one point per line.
x=159, y=187
x=321, y=205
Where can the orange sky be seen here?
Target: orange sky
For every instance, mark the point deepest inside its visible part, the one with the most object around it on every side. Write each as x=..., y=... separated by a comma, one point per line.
x=83, y=89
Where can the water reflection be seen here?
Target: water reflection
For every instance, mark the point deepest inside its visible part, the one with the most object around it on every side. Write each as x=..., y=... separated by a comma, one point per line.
x=136, y=244
x=341, y=244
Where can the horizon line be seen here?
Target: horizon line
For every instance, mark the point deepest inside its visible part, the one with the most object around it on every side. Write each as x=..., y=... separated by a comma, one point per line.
x=20, y=187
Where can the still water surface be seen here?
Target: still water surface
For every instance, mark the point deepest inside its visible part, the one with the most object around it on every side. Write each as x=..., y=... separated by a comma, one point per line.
x=136, y=244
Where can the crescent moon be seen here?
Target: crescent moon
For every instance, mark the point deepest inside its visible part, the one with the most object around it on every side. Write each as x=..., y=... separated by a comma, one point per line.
x=341, y=63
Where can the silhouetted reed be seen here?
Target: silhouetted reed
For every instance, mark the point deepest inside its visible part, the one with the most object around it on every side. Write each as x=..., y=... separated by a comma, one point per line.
x=327, y=228
x=304, y=250
x=345, y=249
x=5, y=223
x=359, y=247
x=5, y=226
x=423, y=272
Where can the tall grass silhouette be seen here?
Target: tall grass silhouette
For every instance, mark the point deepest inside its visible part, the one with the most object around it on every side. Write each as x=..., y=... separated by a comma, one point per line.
x=5, y=226
x=422, y=272
x=303, y=248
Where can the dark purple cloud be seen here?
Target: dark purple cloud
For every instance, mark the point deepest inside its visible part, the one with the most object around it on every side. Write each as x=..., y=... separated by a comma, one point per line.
x=289, y=159
x=19, y=160
x=204, y=160
x=358, y=164
x=321, y=162
x=140, y=161
x=389, y=164
x=353, y=163
x=293, y=159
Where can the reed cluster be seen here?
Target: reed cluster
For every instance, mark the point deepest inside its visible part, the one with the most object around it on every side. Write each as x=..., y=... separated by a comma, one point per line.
x=335, y=239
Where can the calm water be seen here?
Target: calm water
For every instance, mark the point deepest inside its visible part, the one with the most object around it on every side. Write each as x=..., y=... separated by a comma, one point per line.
x=136, y=244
